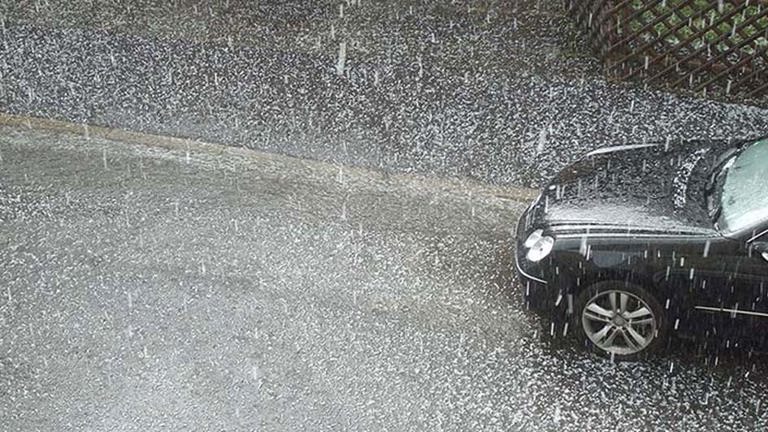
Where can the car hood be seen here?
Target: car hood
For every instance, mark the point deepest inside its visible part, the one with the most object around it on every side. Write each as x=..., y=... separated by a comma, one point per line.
x=642, y=189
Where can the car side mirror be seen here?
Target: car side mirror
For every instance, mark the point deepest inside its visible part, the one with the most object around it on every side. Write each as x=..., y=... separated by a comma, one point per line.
x=761, y=247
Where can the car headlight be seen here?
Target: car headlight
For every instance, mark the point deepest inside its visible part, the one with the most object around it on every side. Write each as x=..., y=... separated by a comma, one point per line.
x=540, y=249
x=533, y=238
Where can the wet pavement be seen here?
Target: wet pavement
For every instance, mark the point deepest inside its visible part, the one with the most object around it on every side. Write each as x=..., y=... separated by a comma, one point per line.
x=184, y=286
x=501, y=92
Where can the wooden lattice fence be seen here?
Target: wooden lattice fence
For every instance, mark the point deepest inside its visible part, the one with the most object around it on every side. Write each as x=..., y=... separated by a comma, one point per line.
x=713, y=47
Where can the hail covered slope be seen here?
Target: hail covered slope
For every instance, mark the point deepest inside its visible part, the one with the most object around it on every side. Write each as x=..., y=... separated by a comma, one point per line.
x=496, y=91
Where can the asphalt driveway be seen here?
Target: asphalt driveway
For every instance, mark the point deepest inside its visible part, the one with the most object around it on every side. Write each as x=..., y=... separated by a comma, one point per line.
x=184, y=286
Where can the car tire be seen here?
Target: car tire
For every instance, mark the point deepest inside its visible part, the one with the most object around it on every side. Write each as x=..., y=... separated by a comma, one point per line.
x=619, y=320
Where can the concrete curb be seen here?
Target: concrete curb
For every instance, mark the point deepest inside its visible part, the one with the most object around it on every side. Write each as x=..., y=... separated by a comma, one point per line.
x=451, y=185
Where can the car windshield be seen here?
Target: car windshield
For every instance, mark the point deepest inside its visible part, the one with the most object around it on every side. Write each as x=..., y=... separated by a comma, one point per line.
x=742, y=181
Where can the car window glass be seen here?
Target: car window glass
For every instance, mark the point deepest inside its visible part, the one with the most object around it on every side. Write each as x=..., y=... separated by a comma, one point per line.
x=744, y=201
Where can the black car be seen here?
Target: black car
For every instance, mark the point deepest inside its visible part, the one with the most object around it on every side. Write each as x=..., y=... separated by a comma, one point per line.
x=633, y=242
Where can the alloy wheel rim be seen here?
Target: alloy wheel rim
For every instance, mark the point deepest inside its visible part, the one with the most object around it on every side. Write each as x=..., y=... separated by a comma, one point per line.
x=619, y=322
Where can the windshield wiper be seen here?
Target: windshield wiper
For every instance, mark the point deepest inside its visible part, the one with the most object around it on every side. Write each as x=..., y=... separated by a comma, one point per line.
x=715, y=213
x=719, y=169
x=714, y=207
x=722, y=165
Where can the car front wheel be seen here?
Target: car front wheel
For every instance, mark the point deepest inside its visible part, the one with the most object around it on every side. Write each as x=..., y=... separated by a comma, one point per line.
x=620, y=320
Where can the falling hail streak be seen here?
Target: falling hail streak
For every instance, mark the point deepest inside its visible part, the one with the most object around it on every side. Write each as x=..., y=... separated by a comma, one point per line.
x=342, y=61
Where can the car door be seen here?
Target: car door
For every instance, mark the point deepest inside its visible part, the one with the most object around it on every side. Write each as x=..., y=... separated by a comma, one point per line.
x=751, y=277
x=730, y=289
x=737, y=273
